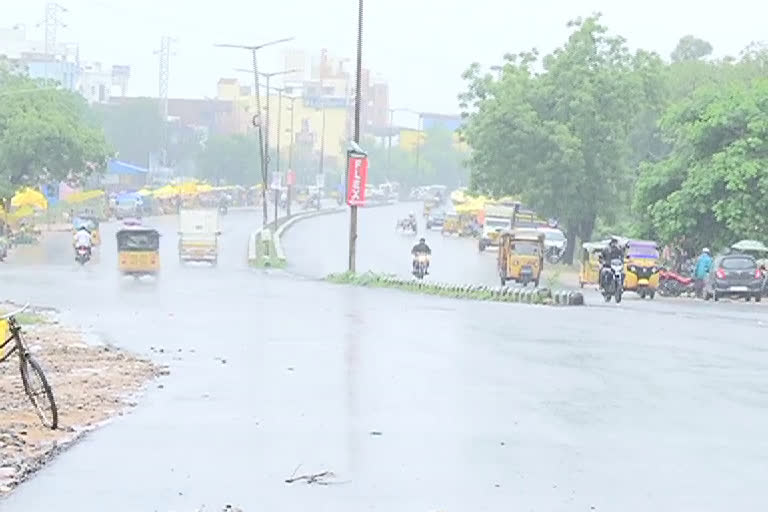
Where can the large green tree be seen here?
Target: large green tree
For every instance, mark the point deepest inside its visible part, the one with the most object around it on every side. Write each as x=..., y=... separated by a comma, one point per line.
x=560, y=139
x=46, y=135
x=713, y=187
x=230, y=159
x=133, y=128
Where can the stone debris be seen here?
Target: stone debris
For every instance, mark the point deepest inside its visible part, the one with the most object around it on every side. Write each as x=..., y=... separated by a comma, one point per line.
x=91, y=384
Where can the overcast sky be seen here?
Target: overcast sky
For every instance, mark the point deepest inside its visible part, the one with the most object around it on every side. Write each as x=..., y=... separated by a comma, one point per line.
x=420, y=46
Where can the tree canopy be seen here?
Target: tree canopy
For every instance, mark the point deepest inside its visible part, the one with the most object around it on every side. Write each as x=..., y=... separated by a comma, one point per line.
x=600, y=136
x=46, y=135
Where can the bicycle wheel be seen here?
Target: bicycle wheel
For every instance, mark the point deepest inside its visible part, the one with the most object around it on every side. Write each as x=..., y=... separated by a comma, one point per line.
x=39, y=391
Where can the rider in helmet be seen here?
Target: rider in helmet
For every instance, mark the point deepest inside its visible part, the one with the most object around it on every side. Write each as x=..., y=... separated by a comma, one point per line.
x=612, y=252
x=82, y=238
x=421, y=248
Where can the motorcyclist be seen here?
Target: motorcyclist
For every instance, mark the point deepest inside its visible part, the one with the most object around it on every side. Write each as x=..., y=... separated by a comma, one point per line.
x=612, y=252
x=421, y=248
x=82, y=239
x=412, y=220
x=703, y=265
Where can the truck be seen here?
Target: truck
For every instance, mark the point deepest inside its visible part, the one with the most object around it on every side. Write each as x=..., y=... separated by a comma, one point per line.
x=498, y=219
x=199, y=235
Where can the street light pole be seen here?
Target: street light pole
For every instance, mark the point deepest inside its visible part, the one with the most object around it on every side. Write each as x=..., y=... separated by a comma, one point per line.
x=358, y=93
x=290, y=157
x=389, y=144
x=268, y=76
x=257, y=119
x=279, y=136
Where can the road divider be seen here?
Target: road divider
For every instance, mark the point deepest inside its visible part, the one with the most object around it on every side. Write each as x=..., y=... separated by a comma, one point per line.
x=462, y=291
x=264, y=246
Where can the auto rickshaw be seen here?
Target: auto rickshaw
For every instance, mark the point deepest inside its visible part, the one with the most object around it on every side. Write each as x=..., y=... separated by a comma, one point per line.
x=642, y=268
x=451, y=224
x=429, y=205
x=521, y=256
x=91, y=224
x=138, y=249
x=590, y=262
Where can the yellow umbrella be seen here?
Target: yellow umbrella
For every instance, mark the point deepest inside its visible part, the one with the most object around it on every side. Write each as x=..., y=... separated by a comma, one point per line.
x=29, y=197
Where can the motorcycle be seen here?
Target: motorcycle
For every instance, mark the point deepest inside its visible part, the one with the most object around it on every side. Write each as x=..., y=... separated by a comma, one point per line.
x=82, y=255
x=554, y=255
x=672, y=284
x=407, y=226
x=420, y=265
x=612, y=281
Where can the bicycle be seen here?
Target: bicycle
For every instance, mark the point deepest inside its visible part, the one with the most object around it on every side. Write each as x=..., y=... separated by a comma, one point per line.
x=35, y=383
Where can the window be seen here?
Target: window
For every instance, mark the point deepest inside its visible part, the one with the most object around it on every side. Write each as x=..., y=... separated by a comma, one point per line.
x=525, y=248
x=738, y=263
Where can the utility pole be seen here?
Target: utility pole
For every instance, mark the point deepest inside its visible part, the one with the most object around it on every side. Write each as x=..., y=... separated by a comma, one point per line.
x=52, y=23
x=257, y=119
x=165, y=58
x=358, y=94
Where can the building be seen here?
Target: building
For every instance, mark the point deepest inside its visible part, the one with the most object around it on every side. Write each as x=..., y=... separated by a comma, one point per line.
x=93, y=80
x=311, y=112
x=95, y=83
x=409, y=138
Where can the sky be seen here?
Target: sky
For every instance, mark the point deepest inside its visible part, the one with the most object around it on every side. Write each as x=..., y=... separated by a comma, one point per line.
x=420, y=47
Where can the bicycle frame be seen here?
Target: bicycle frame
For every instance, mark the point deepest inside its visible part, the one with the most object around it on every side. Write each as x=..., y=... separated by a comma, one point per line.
x=13, y=337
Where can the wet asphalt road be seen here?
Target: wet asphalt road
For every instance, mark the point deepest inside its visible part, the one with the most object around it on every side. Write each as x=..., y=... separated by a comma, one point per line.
x=481, y=406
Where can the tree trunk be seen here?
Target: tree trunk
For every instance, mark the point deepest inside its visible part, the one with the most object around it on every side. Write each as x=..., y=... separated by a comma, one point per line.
x=570, y=248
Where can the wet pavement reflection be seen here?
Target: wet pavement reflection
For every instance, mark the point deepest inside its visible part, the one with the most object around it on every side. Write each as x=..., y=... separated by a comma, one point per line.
x=416, y=403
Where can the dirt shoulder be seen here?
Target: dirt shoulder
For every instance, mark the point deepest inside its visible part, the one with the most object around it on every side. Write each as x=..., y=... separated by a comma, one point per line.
x=91, y=384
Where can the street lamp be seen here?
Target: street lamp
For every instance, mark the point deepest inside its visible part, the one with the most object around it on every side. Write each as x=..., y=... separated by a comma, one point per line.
x=257, y=119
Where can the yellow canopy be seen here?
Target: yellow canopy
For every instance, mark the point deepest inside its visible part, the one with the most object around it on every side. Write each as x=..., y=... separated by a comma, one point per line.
x=204, y=188
x=473, y=206
x=85, y=195
x=145, y=192
x=29, y=197
x=166, y=192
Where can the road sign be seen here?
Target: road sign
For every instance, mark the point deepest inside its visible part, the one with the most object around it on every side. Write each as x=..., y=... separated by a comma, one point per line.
x=357, y=175
x=320, y=181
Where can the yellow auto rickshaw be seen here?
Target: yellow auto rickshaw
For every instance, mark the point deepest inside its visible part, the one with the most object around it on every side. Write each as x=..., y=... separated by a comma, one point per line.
x=91, y=224
x=138, y=249
x=642, y=268
x=451, y=224
x=521, y=256
x=590, y=263
x=429, y=205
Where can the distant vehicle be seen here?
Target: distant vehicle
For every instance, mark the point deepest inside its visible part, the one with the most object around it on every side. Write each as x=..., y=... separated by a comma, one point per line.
x=554, y=244
x=734, y=275
x=435, y=220
x=199, y=235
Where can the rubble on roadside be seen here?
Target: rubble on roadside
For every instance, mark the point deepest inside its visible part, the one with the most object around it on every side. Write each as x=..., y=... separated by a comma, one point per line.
x=91, y=384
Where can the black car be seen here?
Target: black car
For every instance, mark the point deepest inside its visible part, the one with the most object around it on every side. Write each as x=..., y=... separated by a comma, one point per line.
x=436, y=220
x=733, y=275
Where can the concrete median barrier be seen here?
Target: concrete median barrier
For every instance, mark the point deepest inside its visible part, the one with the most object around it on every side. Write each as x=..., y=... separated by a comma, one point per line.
x=543, y=296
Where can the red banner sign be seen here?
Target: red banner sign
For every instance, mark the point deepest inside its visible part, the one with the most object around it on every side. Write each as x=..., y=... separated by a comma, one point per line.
x=357, y=175
x=290, y=178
